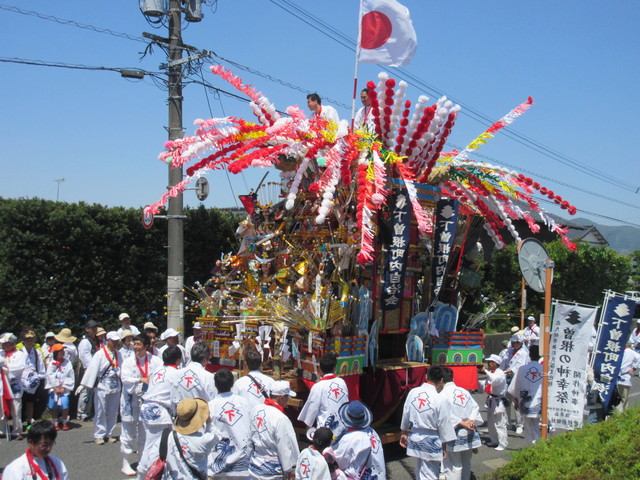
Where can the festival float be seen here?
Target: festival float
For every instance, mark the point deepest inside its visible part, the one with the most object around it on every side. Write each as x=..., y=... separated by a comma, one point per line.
x=361, y=249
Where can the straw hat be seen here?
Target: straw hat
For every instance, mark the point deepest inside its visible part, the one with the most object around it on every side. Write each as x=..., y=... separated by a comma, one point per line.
x=126, y=333
x=100, y=331
x=150, y=326
x=65, y=336
x=191, y=415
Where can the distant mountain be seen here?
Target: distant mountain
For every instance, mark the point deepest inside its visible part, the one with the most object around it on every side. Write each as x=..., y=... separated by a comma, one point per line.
x=622, y=239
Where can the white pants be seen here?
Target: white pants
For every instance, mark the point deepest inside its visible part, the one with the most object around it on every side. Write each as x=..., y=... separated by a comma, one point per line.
x=151, y=451
x=457, y=465
x=106, y=405
x=497, y=425
x=531, y=430
x=132, y=438
x=85, y=399
x=518, y=422
x=427, y=470
x=16, y=413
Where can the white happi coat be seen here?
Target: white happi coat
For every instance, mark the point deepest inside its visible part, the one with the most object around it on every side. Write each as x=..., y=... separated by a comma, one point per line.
x=193, y=381
x=86, y=349
x=157, y=408
x=70, y=351
x=531, y=335
x=20, y=469
x=462, y=407
x=100, y=370
x=195, y=448
x=515, y=360
x=15, y=363
x=61, y=375
x=526, y=386
x=359, y=454
x=325, y=399
x=33, y=367
x=630, y=360
x=230, y=414
x=247, y=389
x=428, y=417
x=273, y=442
x=497, y=390
x=132, y=387
x=126, y=352
x=311, y=465
x=161, y=350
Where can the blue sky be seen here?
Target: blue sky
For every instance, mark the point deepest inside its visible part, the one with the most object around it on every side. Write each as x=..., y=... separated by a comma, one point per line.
x=102, y=133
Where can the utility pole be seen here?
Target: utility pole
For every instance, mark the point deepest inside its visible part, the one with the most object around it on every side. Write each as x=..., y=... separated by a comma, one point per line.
x=59, y=180
x=175, y=267
x=175, y=215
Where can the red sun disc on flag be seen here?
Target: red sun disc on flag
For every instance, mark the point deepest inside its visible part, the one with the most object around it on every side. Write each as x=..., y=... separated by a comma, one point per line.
x=376, y=30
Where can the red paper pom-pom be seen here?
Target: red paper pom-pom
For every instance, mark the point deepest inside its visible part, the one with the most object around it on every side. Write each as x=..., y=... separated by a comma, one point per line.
x=404, y=122
x=314, y=187
x=402, y=131
x=528, y=181
x=388, y=101
x=387, y=110
x=412, y=144
x=536, y=185
x=371, y=85
x=543, y=190
x=390, y=83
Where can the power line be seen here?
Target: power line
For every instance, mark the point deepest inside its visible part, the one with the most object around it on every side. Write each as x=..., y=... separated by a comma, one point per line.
x=45, y=63
x=558, y=182
x=337, y=36
x=544, y=200
x=348, y=43
x=73, y=23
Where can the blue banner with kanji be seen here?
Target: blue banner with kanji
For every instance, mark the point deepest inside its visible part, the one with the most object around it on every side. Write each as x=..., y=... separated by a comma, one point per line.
x=614, y=332
x=396, y=262
x=445, y=232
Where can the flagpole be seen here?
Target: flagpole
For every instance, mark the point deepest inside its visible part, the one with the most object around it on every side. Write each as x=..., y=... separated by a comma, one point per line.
x=355, y=75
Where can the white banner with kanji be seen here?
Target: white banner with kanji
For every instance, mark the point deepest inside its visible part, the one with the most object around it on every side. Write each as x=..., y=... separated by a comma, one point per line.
x=568, y=350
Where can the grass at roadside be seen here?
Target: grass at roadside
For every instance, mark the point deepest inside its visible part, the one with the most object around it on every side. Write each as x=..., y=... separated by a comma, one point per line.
x=606, y=451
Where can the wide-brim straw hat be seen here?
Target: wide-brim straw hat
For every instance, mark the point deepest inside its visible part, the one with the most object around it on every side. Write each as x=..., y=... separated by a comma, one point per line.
x=191, y=415
x=65, y=336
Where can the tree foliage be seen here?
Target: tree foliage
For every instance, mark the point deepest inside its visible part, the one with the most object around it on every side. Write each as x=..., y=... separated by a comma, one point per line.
x=581, y=276
x=64, y=263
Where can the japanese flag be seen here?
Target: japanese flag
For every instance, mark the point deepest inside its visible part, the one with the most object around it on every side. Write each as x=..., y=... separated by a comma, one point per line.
x=387, y=36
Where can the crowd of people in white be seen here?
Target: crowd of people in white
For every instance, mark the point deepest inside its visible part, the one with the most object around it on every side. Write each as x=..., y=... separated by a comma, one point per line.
x=181, y=421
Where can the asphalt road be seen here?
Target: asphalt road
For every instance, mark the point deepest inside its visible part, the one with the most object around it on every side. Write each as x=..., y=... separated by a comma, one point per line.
x=86, y=460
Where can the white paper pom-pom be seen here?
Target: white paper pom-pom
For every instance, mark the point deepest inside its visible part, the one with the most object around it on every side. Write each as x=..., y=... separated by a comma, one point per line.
x=448, y=104
x=289, y=204
x=423, y=99
x=320, y=219
x=455, y=109
x=383, y=76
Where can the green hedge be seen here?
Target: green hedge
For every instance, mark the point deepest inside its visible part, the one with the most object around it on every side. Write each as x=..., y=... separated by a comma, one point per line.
x=606, y=451
x=63, y=263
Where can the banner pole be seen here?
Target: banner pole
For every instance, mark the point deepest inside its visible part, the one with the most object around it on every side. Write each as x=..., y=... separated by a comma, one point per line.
x=355, y=75
x=545, y=347
x=523, y=303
